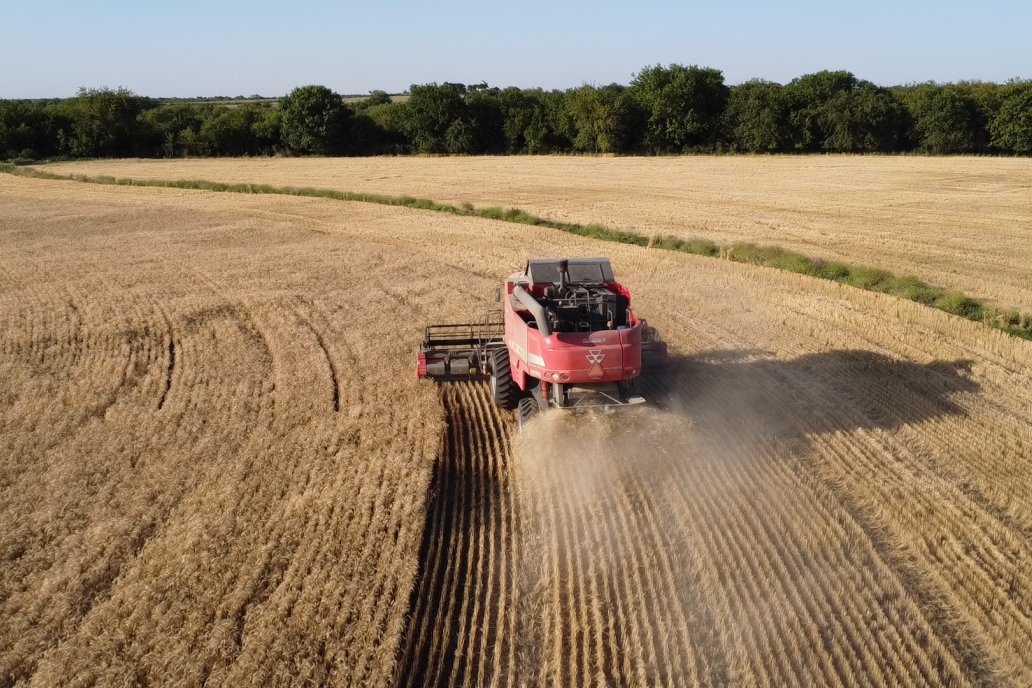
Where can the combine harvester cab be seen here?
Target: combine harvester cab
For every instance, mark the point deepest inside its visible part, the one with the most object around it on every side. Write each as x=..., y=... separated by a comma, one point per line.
x=566, y=338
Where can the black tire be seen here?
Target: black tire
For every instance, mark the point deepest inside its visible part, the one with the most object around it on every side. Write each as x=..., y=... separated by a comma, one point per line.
x=503, y=390
x=525, y=410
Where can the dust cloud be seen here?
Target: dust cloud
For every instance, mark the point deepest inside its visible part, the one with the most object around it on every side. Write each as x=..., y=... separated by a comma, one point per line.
x=600, y=496
x=695, y=541
x=587, y=454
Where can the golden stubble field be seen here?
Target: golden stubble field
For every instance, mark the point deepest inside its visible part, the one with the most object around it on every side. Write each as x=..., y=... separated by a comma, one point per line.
x=217, y=467
x=957, y=222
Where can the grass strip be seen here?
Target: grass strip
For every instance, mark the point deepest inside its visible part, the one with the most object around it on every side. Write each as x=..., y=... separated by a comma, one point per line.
x=871, y=279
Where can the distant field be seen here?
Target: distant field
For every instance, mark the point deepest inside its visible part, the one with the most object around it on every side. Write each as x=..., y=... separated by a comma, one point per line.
x=961, y=223
x=217, y=467
x=395, y=97
x=232, y=102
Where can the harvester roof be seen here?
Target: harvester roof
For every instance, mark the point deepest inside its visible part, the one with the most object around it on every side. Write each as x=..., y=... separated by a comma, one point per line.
x=546, y=270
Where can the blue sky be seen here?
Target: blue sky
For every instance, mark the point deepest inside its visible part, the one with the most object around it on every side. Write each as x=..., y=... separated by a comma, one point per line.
x=189, y=48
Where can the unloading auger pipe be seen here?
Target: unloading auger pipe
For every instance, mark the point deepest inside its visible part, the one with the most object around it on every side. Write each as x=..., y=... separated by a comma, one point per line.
x=535, y=308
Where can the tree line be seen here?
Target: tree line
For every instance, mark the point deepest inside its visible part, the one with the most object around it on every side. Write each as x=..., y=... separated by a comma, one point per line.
x=665, y=109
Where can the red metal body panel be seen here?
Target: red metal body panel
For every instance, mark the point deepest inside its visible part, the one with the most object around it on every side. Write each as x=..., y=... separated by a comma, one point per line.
x=582, y=358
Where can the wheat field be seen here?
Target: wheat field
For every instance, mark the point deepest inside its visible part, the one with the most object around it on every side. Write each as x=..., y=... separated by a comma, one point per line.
x=956, y=222
x=218, y=468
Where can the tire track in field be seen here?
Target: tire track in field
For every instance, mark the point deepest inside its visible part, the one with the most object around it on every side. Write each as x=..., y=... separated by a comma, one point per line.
x=324, y=353
x=169, y=371
x=462, y=624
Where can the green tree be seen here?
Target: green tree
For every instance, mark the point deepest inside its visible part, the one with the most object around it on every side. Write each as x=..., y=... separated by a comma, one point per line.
x=315, y=120
x=601, y=118
x=168, y=123
x=191, y=142
x=461, y=138
x=809, y=96
x=231, y=131
x=836, y=112
x=557, y=128
x=366, y=136
x=537, y=134
x=987, y=96
x=27, y=129
x=432, y=110
x=875, y=122
x=1012, y=127
x=390, y=121
x=517, y=111
x=266, y=130
x=946, y=120
x=758, y=117
x=103, y=122
x=484, y=115
x=683, y=106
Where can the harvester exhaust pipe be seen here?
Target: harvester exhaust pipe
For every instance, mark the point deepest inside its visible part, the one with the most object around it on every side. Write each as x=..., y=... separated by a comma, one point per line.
x=564, y=275
x=535, y=308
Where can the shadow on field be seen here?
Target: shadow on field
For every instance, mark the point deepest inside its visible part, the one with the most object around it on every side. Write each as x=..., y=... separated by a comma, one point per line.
x=471, y=613
x=815, y=393
x=457, y=609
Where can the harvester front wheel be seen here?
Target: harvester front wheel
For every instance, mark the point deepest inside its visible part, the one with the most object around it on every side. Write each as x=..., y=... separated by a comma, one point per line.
x=503, y=390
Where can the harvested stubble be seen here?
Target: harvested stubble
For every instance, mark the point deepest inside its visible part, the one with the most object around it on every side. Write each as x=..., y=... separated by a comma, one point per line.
x=957, y=222
x=831, y=491
x=182, y=499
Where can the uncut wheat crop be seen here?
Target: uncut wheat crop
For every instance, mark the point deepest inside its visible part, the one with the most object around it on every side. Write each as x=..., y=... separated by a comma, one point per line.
x=218, y=468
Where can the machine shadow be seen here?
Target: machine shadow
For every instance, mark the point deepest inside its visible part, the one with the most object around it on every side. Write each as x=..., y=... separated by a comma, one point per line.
x=842, y=390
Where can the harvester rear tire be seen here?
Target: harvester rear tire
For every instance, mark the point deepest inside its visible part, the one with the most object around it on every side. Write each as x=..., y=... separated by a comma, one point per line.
x=628, y=389
x=526, y=410
x=503, y=390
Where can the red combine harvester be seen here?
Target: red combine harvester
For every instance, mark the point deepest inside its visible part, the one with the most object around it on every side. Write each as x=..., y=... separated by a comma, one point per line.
x=565, y=338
